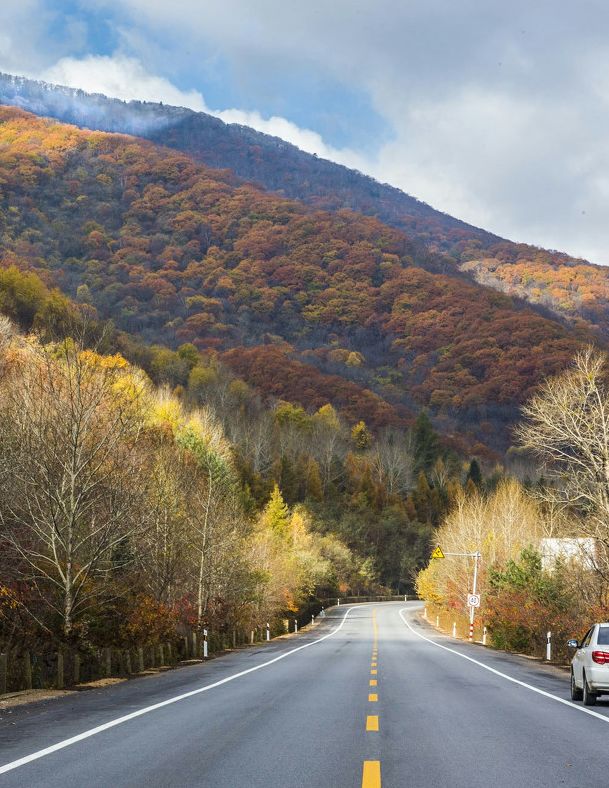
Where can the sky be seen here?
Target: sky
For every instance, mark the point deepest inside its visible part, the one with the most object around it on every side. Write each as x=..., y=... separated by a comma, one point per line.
x=495, y=112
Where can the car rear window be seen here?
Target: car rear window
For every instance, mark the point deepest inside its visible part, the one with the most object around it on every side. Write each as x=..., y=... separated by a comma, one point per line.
x=603, y=636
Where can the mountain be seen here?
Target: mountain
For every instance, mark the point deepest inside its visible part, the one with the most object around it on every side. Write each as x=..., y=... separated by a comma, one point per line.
x=574, y=290
x=309, y=305
x=260, y=158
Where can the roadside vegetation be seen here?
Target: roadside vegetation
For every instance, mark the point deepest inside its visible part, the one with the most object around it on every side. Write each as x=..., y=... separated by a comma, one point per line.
x=544, y=539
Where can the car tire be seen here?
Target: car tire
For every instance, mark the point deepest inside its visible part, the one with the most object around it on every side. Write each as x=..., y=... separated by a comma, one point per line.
x=576, y=692
x=588, y=696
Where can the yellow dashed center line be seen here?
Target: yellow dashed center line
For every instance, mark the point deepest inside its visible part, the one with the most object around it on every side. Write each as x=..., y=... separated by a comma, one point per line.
x=371, y=774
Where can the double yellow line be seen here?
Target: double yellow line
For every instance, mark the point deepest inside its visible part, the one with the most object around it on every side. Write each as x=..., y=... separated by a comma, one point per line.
x=371, y=772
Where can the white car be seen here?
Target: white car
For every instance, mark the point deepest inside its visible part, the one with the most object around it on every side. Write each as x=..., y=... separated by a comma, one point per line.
x=590, y=665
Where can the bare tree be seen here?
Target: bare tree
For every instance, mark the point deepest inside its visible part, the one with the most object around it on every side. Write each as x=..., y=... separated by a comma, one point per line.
x=214, y=511
x=393, y=461
x=567, y=429
x=69, y=493
x=162, y=547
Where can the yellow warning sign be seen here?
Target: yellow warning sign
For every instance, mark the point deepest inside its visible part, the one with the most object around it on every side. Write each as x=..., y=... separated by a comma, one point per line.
x=437, y=553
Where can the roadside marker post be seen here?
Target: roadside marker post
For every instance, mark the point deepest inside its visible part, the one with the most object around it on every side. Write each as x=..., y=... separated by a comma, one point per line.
x=549, y=646
x=437, y=621
x=454, y=629
x=295, y=625
x=268, y=631
x=484, y=636
x=204, y=644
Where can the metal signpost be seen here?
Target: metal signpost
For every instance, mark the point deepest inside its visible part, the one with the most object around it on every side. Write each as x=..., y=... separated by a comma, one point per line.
x=473, y=599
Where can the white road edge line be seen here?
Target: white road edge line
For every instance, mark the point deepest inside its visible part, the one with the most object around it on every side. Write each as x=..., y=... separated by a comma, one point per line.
x=146, y=710
x=504, y=675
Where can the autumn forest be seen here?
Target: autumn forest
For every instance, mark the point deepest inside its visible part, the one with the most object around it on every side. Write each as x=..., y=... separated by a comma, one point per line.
x=231, y=390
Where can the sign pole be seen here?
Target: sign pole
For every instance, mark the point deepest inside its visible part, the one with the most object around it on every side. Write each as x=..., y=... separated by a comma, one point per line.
x=473, y=599
x=472, y=609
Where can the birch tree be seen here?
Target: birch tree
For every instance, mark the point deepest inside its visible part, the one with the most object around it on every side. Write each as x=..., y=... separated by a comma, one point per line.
x=69, y=493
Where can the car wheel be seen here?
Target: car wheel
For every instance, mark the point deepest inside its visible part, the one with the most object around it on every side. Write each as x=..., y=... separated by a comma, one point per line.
x=588, y=696
x=576, y=692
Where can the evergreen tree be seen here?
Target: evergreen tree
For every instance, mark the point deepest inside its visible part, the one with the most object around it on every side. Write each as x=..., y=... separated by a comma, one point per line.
x=474, y=474
x=276, y=513
x=314, y=487
x=361, y=437
x=426, y=443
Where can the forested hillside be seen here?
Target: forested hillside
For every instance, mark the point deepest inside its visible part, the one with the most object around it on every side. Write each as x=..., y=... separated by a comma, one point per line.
x=131, y=512
x=268, y=161
x=571, y=288
x=576, y=290
x=175, y=252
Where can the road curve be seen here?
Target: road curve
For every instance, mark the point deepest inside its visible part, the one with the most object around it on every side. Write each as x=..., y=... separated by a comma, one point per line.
x=371, y=697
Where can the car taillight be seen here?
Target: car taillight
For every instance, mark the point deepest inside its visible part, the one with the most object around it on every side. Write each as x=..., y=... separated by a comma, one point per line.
x=601, y=657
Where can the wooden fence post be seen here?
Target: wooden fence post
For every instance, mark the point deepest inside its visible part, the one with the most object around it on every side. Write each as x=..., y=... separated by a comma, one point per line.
x=76, y=674
x=195, y=653
x=3, y=671
x=27, y=671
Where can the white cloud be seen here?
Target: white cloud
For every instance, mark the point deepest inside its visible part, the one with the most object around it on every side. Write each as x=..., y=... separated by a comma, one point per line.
x=126, y=78
x=306, y=139
x=121, y=77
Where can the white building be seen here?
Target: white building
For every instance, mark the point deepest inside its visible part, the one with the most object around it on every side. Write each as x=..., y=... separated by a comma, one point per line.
x=581, y=550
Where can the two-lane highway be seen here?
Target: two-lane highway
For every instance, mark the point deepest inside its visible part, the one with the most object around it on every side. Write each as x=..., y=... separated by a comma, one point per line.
x=372, y=697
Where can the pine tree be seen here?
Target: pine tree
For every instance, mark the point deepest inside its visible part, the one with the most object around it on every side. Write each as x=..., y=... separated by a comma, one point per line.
x=474, y=474
x=314, y=487
x=426, y=443
x=276, y=513
x=361, y=437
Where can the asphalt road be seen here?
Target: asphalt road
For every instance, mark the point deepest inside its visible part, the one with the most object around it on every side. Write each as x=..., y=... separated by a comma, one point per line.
x=442, y=713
